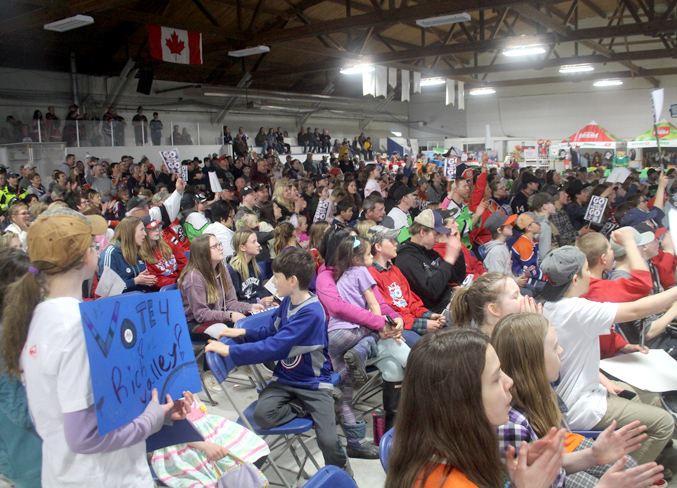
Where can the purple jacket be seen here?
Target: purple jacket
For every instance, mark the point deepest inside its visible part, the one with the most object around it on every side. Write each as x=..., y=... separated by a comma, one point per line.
x=336, y=307
x=194, y=295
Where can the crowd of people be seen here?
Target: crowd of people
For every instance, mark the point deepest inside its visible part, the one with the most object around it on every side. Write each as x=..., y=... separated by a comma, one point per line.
x=486, y=303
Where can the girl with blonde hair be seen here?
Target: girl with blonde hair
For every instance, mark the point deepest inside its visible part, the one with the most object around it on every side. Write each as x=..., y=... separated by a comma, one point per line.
x=122, y=256
x=527, y=346
x=245, y=272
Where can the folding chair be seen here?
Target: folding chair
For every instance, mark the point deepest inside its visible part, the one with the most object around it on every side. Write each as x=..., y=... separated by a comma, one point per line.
x=266, y=269
x=331, y=477
x=384, y=448
x=286, y=435
x=483, y=252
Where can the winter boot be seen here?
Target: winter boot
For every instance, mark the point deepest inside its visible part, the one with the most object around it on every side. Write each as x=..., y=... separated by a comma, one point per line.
x=357, y=367
x=391, y=401
x=358, y=445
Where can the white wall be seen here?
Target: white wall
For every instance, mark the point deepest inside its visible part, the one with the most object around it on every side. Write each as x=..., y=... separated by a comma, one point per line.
x=624, y=111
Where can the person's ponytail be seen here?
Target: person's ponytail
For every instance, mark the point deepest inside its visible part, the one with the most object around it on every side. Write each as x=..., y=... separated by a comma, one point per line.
x=20, y=301
x=460, y=308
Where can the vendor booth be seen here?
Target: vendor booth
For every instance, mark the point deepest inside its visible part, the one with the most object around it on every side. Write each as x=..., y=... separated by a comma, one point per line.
x=646, y=142
x=591, y=138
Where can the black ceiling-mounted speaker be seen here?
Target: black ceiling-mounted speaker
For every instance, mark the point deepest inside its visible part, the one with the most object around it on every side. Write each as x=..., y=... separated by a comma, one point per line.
x=145, y=81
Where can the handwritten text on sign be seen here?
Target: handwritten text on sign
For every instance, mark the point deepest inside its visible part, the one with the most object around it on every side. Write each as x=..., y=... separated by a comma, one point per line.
x=136, y=343
x=450, y=168
x=596, y=209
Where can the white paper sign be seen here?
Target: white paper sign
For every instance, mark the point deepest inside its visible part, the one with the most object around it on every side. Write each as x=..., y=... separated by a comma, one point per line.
x=656, y=371
x=618, y=175
x=450, y=168
x=596, y=209
x=657, y=97
x=110, y=284
x=270, y=286
x=672, y=220
x=214, y=182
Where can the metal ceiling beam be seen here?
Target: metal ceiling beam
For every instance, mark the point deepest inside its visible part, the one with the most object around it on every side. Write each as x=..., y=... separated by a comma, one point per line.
x=554, y=63
x=119, y=85
x=385, y=17
x=622, y=30
x=244, y=83
x=566, y=35
x=581, y=78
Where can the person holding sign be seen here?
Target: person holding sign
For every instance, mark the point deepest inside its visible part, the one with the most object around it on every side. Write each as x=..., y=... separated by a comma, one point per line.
x=47, y=343
x=209, y=297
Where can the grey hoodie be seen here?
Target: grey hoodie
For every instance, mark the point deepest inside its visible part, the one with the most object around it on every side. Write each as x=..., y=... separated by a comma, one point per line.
x=497, y=257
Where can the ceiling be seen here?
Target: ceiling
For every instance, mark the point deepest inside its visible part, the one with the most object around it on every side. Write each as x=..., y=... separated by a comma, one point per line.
x=310, y=40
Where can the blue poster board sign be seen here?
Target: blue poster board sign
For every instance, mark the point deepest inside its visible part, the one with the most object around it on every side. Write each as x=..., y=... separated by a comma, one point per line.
x=136, y=343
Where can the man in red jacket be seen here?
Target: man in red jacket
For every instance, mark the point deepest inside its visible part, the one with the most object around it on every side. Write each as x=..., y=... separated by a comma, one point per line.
x=395, y=289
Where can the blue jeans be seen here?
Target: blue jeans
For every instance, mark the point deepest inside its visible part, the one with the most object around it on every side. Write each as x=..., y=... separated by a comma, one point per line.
x=410, y=337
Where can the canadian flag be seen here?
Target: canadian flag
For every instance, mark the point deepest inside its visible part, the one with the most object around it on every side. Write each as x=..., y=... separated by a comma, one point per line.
x=175, y=45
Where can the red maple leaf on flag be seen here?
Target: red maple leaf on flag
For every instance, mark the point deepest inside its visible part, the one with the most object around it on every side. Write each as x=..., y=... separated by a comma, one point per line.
x=174, y=44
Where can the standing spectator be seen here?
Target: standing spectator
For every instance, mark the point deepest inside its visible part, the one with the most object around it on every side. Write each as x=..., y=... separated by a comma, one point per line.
x=227, y=137
x=38, y=130
x=70, y=132
x=52, y=125
x=140, y=123
x=186, y=138
x=156, y=129
x=113, y=128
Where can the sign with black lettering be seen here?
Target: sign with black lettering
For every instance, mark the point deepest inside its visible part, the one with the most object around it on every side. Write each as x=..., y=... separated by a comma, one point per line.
x=136, y=343
x=596, y=209
x=450, y=168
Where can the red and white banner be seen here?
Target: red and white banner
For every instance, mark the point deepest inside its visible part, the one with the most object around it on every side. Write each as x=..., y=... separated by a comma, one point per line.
x=175, y=45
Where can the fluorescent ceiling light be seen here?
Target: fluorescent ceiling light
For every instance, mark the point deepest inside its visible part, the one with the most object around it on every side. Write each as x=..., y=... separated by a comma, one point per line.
x=360, y=68
x=443, y=20
x=524, y=51
x=432, y=81
x=576, y=68
x=396, y=134
x=250, y=51
x=608, y=83
x=70, y=23
x=482, y=91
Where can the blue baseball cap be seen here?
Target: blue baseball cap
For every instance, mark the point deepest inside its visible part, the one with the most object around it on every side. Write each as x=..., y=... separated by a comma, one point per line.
x=636, y=216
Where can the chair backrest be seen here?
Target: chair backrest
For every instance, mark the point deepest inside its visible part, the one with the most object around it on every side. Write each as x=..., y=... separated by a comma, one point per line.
x=180, y=432
x=483, y=252
x=255, y=320
x=171, y=287
x=266, y=269
x=331, y=477
x=384, y=449
x=220, y=366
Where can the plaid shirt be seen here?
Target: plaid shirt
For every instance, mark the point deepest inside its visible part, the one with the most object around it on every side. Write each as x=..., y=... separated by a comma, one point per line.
x=567, y=233
x=517, y=430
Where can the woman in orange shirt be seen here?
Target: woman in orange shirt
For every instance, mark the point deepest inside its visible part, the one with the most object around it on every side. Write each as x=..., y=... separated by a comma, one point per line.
x=454, y=395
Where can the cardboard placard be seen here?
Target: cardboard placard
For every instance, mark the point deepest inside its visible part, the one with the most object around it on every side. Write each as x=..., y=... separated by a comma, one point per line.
x=136, y=343
x=173, y=162
x=596, y=209
x=214, y=182
x=450, y=168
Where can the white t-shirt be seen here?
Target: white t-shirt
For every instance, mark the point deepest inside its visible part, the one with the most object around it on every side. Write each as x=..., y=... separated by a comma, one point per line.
x=57, y=377
x=372, y=186
x=579, y=323
x=399, y=217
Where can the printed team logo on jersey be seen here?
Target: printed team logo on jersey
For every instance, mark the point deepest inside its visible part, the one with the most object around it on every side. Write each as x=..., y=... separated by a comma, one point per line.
x=34, y=351
x=396, y=294
x=291, y=363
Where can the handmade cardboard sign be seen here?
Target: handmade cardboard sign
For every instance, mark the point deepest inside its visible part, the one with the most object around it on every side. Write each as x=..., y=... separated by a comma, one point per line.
x=450, y=168
x=136, y=343
x=596, y=209
x=173, y=162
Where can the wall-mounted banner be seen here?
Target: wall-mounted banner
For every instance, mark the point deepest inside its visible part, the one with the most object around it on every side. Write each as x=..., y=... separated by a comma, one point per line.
x=136, y=343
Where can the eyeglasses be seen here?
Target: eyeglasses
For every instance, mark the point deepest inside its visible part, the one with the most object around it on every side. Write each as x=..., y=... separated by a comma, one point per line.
x=217, y=246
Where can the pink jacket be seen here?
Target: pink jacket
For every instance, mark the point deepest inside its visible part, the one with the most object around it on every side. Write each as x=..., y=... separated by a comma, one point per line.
x=336, y=307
